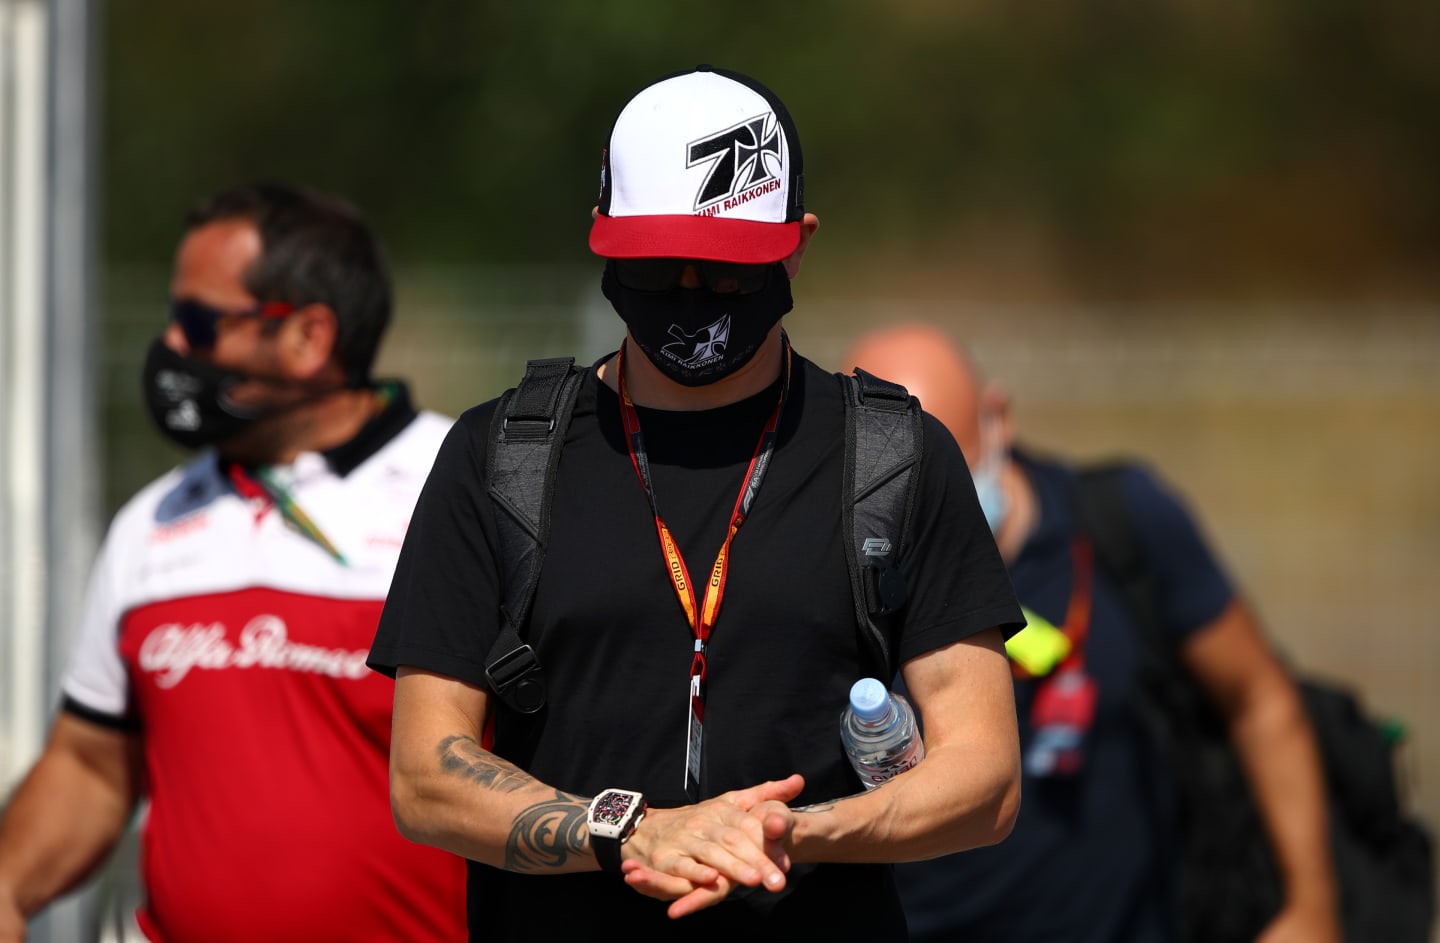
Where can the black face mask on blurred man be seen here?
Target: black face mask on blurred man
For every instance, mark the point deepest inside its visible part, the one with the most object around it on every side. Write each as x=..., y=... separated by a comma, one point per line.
x=191, y=402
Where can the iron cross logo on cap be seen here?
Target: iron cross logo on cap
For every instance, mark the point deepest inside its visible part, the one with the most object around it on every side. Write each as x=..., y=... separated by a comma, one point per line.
x=704, y=164
x=740, y=158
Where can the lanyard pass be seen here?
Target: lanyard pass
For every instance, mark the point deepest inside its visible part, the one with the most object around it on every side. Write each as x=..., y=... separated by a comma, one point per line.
x=696, y=728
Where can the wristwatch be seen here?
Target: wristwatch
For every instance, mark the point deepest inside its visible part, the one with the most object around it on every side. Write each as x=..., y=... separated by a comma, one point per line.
x=612, y=818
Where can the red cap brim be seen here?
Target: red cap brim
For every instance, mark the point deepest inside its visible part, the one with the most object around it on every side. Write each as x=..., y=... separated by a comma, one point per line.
x=693, y=237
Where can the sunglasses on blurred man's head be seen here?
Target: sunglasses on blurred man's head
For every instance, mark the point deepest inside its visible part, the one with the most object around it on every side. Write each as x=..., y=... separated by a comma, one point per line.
x=198, y=320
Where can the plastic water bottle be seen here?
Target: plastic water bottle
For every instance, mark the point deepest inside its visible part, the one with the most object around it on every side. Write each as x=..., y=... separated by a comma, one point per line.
x=879, y=732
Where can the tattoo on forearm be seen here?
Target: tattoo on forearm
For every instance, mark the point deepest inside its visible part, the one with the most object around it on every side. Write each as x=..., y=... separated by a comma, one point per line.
x=462, y=756
x=546, y=834
x=817, y=807
x=827, y=804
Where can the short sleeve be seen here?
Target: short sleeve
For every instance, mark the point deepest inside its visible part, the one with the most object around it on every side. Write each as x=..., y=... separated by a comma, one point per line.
x=95, y=679
x=443, y=608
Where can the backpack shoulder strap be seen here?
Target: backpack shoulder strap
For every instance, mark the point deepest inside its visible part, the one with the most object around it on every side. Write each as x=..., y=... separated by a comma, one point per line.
x=1171, y=704
x=882, y=461
x=1103, y=515
x=526, y=435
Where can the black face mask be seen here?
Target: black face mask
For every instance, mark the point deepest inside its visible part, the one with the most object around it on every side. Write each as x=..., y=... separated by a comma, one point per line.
x=190, y=400
x=696, y=336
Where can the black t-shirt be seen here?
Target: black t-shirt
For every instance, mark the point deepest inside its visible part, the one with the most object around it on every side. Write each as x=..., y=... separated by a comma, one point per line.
x=616, y=647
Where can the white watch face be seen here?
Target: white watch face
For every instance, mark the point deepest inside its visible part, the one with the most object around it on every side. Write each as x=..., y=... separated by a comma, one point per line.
x=613, y=812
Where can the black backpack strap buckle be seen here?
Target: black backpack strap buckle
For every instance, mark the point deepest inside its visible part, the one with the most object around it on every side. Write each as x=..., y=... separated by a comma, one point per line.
x=515, y=674
x=886, y=590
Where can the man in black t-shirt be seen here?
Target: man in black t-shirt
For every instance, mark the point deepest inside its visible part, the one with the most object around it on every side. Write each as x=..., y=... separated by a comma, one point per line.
x=693, y=614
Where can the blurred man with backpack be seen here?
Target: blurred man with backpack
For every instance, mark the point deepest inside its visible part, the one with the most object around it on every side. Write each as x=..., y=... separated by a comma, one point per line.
x=1093, y=856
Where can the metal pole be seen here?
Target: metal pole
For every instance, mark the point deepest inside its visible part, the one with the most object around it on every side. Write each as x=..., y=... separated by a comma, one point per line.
x=48, y=477
x=24, y=27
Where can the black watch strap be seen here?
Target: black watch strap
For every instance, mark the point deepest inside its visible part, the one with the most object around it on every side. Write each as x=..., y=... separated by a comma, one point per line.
x=607, y=852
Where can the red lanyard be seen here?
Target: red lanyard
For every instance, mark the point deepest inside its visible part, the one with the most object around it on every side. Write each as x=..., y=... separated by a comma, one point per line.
x=1077, y=613
x=701, y=617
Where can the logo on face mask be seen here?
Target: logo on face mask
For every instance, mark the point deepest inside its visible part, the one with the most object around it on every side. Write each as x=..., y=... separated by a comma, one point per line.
x=741, y=157
x=703, y=347
x=183, y=418
x=180, y=389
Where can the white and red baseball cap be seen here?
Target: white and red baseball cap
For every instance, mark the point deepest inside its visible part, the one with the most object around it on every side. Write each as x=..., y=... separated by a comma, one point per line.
x=702, y=164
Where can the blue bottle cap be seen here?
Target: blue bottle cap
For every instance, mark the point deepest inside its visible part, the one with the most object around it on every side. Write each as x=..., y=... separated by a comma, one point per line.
x=869, y=699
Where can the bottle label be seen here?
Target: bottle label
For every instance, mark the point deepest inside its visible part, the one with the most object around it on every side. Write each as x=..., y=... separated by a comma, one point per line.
x=875, y=775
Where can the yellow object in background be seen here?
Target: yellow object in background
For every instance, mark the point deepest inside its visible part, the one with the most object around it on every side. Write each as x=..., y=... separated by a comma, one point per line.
x=1038, y=647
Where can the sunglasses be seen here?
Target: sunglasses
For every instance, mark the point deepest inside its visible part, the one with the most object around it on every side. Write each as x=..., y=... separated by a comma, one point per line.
x=665, y=274
x=197, y=320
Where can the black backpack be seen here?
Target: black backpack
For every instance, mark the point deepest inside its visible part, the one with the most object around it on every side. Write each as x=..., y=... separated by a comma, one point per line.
x=882, y=452
x=1228, y=888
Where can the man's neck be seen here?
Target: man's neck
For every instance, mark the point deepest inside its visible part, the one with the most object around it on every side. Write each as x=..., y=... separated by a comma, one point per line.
x=649, y=387
x=315, y=427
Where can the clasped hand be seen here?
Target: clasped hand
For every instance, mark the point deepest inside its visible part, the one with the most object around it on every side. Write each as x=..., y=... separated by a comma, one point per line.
x=697, y=855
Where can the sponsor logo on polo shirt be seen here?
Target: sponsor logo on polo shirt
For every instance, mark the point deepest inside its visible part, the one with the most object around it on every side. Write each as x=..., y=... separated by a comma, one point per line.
x=172, y=650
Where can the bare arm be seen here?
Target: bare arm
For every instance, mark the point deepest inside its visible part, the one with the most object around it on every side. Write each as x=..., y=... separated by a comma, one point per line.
x=1276, y=746
x=65, y=817
x=447, y=790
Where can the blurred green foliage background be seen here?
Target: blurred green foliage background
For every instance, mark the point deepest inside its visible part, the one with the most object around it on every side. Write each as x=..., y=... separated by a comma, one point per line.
x=1102, y=149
